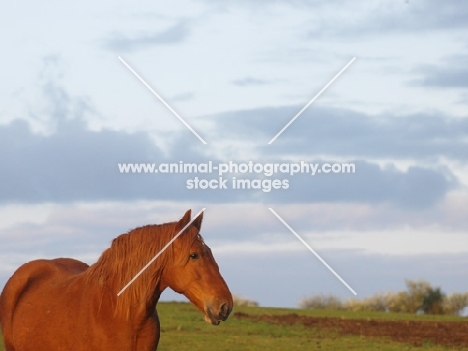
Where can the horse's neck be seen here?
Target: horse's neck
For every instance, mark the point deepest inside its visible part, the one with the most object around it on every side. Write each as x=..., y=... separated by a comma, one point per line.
x=119, y=264
x=137, y=301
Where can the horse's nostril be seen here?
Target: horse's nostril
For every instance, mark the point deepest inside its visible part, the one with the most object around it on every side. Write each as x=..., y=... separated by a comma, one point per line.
x=225, y=310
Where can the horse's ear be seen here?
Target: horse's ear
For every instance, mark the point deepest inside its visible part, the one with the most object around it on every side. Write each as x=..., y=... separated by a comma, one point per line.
x=184, y=220
x=197, y=222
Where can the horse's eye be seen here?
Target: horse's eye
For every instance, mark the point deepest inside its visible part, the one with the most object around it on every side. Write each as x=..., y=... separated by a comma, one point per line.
x=194, y=256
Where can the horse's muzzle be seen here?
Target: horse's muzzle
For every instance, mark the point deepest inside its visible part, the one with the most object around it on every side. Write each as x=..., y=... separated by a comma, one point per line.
x=215, y=317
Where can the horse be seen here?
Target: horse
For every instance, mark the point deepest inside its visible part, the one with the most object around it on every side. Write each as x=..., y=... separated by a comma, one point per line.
x=64, y=304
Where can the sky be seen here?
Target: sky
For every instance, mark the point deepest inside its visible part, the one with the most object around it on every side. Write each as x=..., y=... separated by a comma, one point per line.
x=237, y=72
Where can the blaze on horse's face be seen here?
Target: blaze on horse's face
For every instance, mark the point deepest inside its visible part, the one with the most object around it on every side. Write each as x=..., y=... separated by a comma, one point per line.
x=197, y=276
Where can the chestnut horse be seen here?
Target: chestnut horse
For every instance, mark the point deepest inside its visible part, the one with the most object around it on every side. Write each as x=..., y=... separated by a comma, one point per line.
x=64, y=304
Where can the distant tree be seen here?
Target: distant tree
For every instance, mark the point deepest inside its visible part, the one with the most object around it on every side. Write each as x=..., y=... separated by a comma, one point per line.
x=417, y=291
x=410, y=301
x=455, y=303
x=419, y=297
x=400, y=302
x=243, y=301
x=321, y=302
x=433, y=301
x=375, y=303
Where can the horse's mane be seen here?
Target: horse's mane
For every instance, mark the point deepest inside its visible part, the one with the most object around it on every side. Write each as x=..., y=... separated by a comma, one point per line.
x=129, y=253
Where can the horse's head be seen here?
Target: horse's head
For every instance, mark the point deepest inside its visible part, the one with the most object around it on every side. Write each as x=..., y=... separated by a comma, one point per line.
x=195, y=273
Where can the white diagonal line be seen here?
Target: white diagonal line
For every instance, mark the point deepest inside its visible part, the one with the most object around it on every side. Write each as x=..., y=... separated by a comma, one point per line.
x=312, y=250
x=159, y=253
x=162, y=100
x=311, y=101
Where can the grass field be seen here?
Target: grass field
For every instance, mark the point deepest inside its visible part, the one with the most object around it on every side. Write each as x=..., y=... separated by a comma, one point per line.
x=183, y=328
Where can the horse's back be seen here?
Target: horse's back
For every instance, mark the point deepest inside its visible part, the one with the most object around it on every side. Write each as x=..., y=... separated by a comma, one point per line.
x=29, y=287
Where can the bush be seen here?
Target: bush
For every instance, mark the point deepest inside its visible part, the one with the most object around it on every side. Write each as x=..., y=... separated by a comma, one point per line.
x=455, y=303
x=321, y=302
x=400, y=303
x=420, y=297
x=376, y=303
x=243, y=301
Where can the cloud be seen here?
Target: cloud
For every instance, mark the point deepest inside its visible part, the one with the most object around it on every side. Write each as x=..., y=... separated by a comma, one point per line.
x=464, y=99
x=418, y=187
x=449, y=14
x=73, y=163
x=453, y=74
x=402, y=17
x=261, y=4
x=243, y=228
x=340, y=19
x=249, y=81
x=119, y=42
x=446, y=78
x=183, y=97
x=345, y=133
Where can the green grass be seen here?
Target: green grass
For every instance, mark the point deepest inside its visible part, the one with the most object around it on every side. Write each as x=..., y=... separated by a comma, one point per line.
x=183, y=328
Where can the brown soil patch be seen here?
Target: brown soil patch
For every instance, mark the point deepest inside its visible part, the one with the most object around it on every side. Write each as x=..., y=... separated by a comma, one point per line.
x=413, y=332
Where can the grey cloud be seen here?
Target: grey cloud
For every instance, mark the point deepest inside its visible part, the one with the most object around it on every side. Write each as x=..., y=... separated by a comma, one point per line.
x=401, y=18
x=122, y=43
x=183, y=96
x=75, y=164
x=452, y=74
x=447, y=78
x=225, y=5
x=447, y=14
x=249, y=81
x=464, y=99
x=418, y=187
x=332, y=131
x=71, y=165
